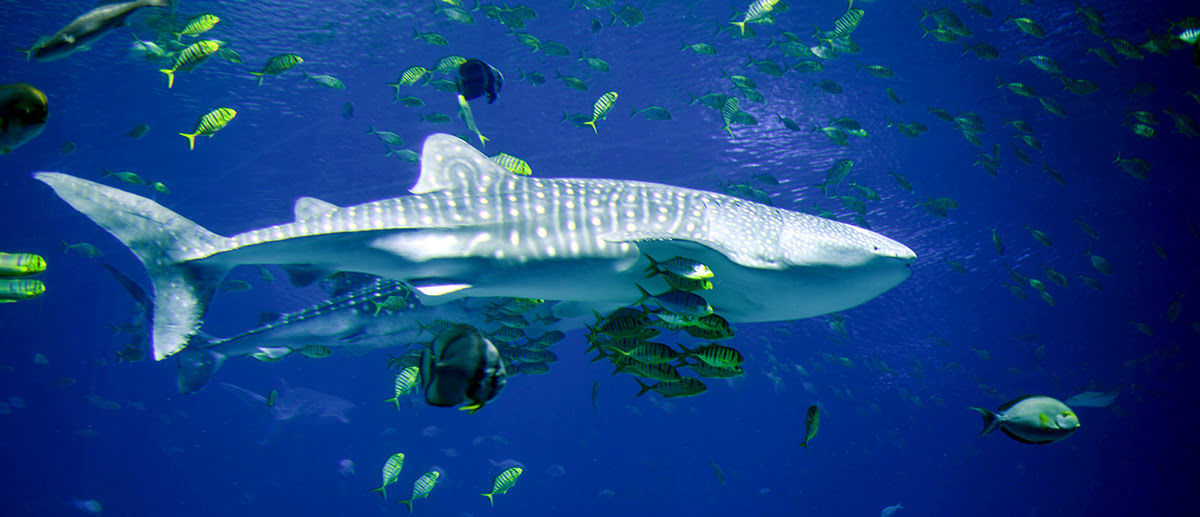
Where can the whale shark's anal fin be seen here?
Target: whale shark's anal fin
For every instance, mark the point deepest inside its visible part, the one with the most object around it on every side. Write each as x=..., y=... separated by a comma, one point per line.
x=167, y=244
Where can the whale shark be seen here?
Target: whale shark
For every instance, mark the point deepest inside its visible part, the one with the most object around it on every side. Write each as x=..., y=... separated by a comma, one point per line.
x=469, y=227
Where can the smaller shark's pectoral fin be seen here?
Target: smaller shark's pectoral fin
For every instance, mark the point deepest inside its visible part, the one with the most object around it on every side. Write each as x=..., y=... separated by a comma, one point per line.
x=438, y=287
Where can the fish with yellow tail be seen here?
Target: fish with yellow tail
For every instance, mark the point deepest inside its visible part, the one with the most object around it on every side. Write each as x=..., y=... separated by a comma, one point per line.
x=1031, y=419
x=210, y=123
x=812, y=420
x=391, y=471
x=503, y=483
x=464, y=113
x=191, y=57
x=759, y=12
x=277, y=65
x=422, y=487
x=600, y=110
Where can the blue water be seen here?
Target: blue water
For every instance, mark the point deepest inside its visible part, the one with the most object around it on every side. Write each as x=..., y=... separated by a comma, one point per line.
x=887, y=436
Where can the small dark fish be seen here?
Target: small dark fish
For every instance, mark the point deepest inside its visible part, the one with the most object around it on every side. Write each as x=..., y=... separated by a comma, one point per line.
x=348, y=110
x=462, y=365
x=812, y=420
x=717, y=471
x=476, y=78
x=596, y=397
x=138, y=131
x=272, y=397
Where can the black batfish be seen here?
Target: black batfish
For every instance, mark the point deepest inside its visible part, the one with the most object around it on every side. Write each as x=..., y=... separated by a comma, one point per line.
x=476, y=78
x=461, y=366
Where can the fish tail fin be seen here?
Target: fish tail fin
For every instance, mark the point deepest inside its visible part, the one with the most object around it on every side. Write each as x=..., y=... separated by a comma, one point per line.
x=382, y=491
x=644, y=386
x=27, y=51
x=408, y=503
x=394, y=400
x=593, y=124
x=740, y=25
x=191, y=139
x=645, y=295
x=990, y=420
x=165, y=242
x=804, y=444
x=258, y=78
x=483, y=140
x=490, y=500
x=170, y=76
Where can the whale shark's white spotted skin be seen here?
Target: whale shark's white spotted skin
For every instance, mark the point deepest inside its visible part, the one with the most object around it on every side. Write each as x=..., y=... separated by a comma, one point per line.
x=471, y=228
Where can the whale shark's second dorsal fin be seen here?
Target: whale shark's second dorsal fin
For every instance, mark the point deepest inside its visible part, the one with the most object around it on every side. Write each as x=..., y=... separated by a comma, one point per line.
x=448, y=163
x=311, y=208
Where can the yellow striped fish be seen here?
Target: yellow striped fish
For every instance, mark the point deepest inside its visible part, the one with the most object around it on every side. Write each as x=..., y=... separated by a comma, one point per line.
x=601, y=108
x=14, y=290
x=391, y=471
x=503, y=482
x=406, y=380
x=513, y=164
x=716, y=355
x=210, y=123
x=189, y=57
x=197, y=25
x=278, y=65
x=422, y=487
x=760, y=10
x=21, y=264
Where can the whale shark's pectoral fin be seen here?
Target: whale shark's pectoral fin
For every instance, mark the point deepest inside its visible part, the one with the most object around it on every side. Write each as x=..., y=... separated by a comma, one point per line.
x=736, y=256
x=304, y=275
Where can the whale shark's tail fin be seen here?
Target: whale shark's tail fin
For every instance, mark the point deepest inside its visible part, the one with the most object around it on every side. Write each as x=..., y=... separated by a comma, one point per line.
x=165, y=242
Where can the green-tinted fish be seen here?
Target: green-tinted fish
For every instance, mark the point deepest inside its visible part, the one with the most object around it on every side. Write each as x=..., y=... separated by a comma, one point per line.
x=552, y=48
x=82, y=248
x=534, y=78
x=1176, y=308
x=230, y=55
x=766, y=66
x=190, y=57
x=808, y=66
x=22, y=289
x=683, y=387
x=682, y=303
x=277, y=65
x=235, y=286
x=449, y=64
x=1044, y=63
x=422, y=487
x=436, y=118
x=21, y=264
x=391, y=471
x=679, y=266
x=316, y=352
x=879, y=71
x=652, y=113
x=1100, y=263
x=594, y=63
x=387, y=137
x=327, y=81
x=409, y=101
x=700, y=48
x=847, y=22
x=139, y=131
x=601, y=108
x=503, y=483
x=812, y=420
x=209, y=123
x=464, y=113
x=406, y=380
x=513, y=164
x=997, y=242
x=1136, y=167
x=1125, y=48
x=573, y=83
x=272, y=397
x=1039, y=236
x=430, y=37
x=127, y=177
x=835, y=175
x=828, y=86
x=197, y=25
x=1028, y=26
x=628, y=15
x=901, y=181
x=1105, y=55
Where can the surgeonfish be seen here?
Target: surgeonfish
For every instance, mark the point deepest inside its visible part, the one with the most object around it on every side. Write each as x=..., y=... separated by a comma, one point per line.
x=1031, y=419
x=460, y=366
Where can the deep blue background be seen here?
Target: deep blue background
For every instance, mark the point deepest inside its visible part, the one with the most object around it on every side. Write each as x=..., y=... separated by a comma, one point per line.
x=885, y=437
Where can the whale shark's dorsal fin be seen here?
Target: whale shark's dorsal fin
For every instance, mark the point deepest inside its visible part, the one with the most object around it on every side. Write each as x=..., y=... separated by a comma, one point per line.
x=448, y=163
x=311, y=208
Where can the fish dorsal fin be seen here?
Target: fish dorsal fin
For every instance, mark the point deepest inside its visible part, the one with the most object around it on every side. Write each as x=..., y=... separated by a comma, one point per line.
x=448, y=163
x=310, y=208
